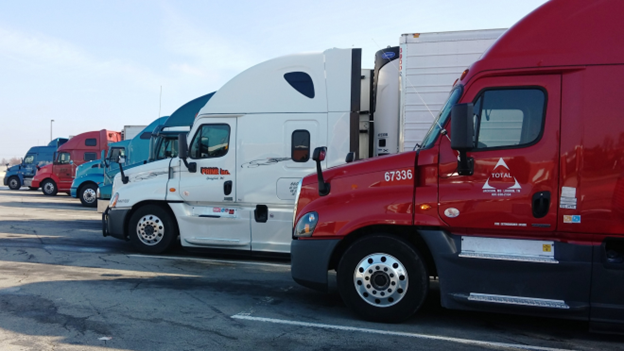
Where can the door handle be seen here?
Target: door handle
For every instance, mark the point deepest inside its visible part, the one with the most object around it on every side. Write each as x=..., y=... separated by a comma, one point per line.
x=541, y=204
x=227, y=187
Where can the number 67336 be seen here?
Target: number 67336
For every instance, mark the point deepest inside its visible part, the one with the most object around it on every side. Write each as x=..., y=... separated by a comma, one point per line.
x=393, y=176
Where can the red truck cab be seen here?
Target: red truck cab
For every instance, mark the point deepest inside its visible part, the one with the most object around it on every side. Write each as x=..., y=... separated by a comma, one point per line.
x=514, y=200
x=82, y=148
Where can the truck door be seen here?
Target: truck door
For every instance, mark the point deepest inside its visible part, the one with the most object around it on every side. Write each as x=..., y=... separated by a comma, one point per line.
x=214, y=219
x=63, y=170
x=506, y=211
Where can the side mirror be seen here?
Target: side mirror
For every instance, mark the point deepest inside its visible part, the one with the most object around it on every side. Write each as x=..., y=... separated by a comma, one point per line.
x=183, y=153
x=71, y=162
x=182, y=147
x=462, y=136
x=319, y=156
x=102, y=154
x=350, y=157
x=121, y=159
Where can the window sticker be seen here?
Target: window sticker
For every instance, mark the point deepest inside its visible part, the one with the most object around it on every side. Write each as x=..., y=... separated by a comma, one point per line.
x=501, y=182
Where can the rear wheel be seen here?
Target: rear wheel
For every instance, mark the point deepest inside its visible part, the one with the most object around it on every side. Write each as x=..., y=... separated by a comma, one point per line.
x=152, y=229
x=87, y=194
x=48, y=187
x=14, y=183
x=383, y=278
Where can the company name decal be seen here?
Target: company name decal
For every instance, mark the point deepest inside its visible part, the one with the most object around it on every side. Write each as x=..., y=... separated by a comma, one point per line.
x=214, y=171
x=501, y=182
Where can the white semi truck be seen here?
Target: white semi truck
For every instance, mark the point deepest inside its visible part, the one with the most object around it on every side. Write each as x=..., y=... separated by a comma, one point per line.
x=248, y=148
x=251, y=143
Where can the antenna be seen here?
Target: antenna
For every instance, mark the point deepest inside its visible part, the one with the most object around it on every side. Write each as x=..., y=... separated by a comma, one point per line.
x=160, y=102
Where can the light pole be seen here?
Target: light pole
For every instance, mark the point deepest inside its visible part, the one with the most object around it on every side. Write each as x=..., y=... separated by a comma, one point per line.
x=51, y=129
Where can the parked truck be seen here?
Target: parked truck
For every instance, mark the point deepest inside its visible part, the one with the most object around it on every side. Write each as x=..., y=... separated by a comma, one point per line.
x=232, y=186
x=162, y=144
x=81, y=148
x=37, y=156
x=90, y=175
x=514, y=199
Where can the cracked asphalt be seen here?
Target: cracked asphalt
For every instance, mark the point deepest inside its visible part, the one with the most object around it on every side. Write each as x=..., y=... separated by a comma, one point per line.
x=65, y=287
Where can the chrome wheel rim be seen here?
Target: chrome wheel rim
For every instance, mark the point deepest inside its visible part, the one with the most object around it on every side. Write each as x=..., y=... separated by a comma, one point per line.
x=381, y=280
x=13, y=183
x=89, y=196
x=48, y=188
x=150, y=230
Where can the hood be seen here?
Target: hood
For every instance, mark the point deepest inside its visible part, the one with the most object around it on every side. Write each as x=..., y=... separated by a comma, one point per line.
x=14, y=168
x=88, y=168
x=380, y=164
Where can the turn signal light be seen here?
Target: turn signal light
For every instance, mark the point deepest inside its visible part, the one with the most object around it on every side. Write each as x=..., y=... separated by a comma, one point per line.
x=172, y=190
x=463, y=75
x=425, y=207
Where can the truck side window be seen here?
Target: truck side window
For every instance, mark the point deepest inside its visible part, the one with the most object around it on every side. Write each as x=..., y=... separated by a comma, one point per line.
x=509, y=117
x=211, y=140
x=90, y=156
x=116, y=152
x=64, y=158
x=302, y=82
x=300, y=146
x=91, y=142
x=29, y=159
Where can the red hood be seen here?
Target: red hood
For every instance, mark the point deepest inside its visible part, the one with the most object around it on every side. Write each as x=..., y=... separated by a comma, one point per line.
x=42, y=171
x=371, y=165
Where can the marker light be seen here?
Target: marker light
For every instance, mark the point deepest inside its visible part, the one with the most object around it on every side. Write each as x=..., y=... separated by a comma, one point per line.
x=425, y=207
x=463, y=75
x=113, y=201
x=306, y=225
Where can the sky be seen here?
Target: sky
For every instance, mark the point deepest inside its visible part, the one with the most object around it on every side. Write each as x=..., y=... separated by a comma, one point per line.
x=91, y=65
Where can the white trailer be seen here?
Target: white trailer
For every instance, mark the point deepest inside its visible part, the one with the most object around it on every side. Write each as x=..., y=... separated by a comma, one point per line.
x=248, y=148
x=129, y=132
x=429, y=64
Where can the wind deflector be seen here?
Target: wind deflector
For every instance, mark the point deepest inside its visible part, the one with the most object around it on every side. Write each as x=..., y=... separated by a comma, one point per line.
x=185, y=114
x=302, y=82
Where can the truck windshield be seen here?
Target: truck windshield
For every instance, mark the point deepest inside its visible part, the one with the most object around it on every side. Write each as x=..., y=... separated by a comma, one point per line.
x=29, y=159
x=442, y=118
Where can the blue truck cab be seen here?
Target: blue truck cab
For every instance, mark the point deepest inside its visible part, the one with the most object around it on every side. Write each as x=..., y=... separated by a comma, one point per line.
x=37, y=156
x=90, y=176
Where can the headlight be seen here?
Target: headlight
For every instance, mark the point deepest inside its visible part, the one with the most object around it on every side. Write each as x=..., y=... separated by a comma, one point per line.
x=113, y=201
x=306, y=225
x=296, y=201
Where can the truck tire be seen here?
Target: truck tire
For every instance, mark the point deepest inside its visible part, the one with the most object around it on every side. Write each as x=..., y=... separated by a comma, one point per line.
x=48, y=187
x=87, y=194
x=383, y=278
x=14, y=183
x=152, y=229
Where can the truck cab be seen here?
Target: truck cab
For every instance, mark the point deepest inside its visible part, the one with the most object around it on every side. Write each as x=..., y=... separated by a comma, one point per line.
x=91, y=175
x=82, y=148
x=232, y=185
x=513, y=199
x=36, y=157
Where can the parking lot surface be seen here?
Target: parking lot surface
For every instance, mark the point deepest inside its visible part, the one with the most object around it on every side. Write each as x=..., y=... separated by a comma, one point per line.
x=63, y=286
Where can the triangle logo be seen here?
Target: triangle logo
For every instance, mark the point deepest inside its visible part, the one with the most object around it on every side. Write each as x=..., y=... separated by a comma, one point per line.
x=501, y=183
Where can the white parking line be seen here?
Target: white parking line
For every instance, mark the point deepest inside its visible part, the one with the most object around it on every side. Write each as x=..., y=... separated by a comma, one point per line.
x=245, y=316
x=210, y=260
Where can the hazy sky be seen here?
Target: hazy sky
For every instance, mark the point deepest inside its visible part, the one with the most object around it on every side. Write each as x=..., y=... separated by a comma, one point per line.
x=96, y=64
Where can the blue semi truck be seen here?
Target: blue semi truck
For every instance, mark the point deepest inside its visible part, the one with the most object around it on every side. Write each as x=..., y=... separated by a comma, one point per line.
x=91, y=175
x=37, y=156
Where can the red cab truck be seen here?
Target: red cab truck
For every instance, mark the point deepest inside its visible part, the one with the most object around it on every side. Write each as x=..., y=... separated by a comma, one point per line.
x=82, y=148
x=514, y=200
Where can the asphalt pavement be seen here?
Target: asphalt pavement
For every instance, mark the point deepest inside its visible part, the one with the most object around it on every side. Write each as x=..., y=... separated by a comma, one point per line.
x=63, y=286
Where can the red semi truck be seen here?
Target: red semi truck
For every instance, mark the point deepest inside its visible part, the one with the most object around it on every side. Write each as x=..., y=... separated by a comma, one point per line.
x=514, y=200
x=82, y=148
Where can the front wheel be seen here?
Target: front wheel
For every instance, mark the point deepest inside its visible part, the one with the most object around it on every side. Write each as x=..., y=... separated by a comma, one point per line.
x=48, y=187
x=87, y=194
x=14, y=183
x=383, y=278
x=152, y=229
